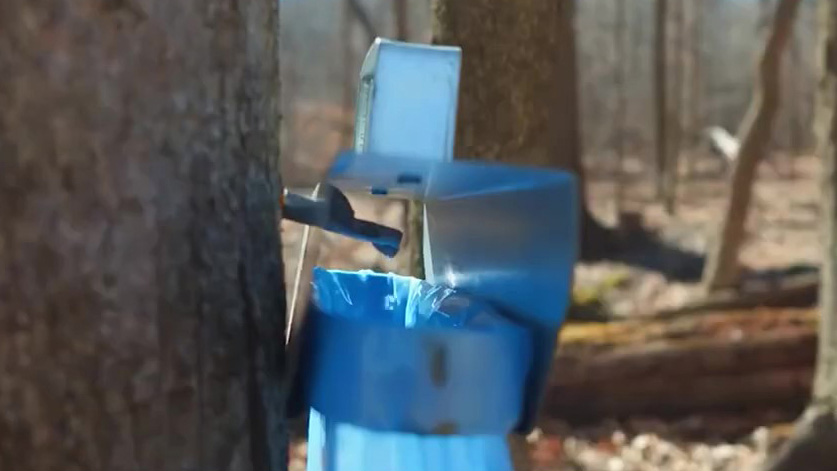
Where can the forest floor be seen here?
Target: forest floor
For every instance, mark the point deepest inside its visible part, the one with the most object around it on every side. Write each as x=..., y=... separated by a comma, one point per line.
x=609, y=448
x=782, y=236
x=782, y=231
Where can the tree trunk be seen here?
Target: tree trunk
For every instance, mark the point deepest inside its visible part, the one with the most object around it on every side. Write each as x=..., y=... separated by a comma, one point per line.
x=675, y=114
x=349, y=69
x=812, y=445
x=796, y=125
x=660, y=95
x=697, y=107
x=754, y=134
x=359, y=12
x=687, y=66
x=141, y=288
x=621, y=47
x=412, y=210
x=400, y=17
x=519, y=96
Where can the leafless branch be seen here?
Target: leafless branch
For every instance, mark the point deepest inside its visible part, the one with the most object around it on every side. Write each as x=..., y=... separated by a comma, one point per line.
x=363, y=17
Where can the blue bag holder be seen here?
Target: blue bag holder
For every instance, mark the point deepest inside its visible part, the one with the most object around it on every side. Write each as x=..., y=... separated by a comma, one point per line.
x=394, y=389
x=502, y=234
x=402, y=365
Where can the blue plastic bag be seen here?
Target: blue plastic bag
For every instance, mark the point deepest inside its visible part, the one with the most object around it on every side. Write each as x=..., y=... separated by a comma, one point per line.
x=398, y=364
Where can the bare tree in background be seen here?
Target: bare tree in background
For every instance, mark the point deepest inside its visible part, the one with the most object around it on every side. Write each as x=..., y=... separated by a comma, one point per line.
x=518, y=99
x=141, y=286
x=411, y=210
x=638, y=64
x=812, y=446
x=687, y=65
x=360, y=13
x=400, y=15
x=621, y=47
x=796, y=125
x=766, y=9
x=519, y=94
x=675, y=111
x=660, y=95
x=349, y=70
x=353, y=11
x=721, y=269
x=696, y=106
x=290, y=114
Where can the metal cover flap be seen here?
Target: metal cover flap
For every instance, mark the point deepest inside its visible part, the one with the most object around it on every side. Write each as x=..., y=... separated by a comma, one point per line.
x=504, y=233
x=407, y=100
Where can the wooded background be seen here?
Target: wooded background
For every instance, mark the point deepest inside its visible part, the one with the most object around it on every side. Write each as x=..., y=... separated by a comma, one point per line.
x=714, y=43
x=141, y=281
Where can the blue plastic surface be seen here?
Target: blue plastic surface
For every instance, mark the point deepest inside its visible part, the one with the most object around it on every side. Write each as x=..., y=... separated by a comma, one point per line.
x=344, y=447
x=505, y=234
x=406, y=103
x=409, y=356
x=405, y=375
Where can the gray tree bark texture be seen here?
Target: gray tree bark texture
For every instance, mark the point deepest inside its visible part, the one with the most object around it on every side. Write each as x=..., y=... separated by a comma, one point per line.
x=812, y=447
x=621, y=46
x=675, y=103
x=518, y=93
x=697, y=111
x=721, y=269
x=141, y=288
x=661, y=95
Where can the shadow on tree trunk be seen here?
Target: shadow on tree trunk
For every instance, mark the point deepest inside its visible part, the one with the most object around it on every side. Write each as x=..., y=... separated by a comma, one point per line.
x=812, y=445
x=639, y=248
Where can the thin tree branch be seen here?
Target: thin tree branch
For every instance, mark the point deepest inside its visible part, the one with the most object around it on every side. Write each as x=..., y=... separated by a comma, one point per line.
x=363, y=17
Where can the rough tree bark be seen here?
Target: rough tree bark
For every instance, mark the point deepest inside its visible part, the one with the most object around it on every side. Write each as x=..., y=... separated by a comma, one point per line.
x=812, y=445
x=518, y=95
x=795, y=115
x=364, y=19
x=412, y=210
x=687, y=66
x=352, y=10
x=696, y=105
x=400, y=18
x=675, y=112
x=621, y=47
x=349, y=68
x=141, y=289
x=660, y=95
x=722, y=263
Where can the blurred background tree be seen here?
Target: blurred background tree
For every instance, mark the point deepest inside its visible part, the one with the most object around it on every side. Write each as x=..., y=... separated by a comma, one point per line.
x=754, y=134
x=524, y=57
x=812, y=445
x=517, y=57
x=312, y=43
x=585, y=86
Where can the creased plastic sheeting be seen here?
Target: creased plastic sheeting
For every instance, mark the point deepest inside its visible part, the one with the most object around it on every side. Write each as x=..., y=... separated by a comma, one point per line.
x=395, y=361
x=505, y=234
x=403, y=301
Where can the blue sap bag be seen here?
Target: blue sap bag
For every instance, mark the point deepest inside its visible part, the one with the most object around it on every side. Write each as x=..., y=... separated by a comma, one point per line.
x=405, y=375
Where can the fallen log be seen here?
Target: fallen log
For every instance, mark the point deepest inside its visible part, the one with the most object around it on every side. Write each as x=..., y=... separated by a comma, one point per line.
x=792, y=291
x=720, y=362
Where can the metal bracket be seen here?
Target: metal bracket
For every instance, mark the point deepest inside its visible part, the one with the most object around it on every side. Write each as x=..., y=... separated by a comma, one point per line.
x=333, y=212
